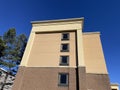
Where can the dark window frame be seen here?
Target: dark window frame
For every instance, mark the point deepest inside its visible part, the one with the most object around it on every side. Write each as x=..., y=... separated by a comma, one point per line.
x=60, y=77
x=67, y=37
x=61, y=62
x=68, y=47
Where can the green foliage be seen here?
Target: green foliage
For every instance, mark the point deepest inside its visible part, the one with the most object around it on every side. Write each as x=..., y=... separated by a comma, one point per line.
x=9, y=36
x=2, y=47
x=11, y=49
x=10, y=65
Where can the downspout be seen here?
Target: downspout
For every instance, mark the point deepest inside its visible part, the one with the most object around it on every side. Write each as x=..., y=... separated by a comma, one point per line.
x=77, y=69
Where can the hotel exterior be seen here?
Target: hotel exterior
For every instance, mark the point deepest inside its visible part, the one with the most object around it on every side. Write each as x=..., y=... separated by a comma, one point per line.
x=114, y=86
x=60, y=56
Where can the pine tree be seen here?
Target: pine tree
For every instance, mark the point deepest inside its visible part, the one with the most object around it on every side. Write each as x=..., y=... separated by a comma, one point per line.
x=11, y=51
x=2, y=48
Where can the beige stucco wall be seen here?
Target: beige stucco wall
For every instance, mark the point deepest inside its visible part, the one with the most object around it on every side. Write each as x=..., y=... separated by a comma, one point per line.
x=28, y=50
x=93, y=53
x=51, y=26
x=57, y=25
x=46, y=50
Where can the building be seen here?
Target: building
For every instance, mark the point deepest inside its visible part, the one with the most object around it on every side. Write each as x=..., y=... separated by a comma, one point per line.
x=114, y=86
x=59, y=56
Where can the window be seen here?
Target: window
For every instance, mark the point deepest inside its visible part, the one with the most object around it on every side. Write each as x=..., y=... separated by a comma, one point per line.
x=64, y=60
x=63, y=79
x=65, y=36
x=64, y=47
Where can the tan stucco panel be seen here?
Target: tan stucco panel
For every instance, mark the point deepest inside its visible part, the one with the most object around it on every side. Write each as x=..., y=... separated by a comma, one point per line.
x=28, y=50
x=57, y=25
x=60, y=27
x=46, y=50
x=80, y=50
x=93, y=54
x=52, y=26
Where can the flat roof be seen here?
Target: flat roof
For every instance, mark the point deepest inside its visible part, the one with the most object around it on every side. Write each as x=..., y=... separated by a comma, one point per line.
x=58, y=20
x=86, y=33
x=114, y=84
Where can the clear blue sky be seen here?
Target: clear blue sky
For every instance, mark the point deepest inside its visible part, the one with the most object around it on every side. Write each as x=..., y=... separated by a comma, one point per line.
x=100, y=15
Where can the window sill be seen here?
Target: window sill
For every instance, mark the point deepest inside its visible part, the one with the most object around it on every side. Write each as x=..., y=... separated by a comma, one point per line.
x=64, y=50
x=62, y=64
x=64, y=39
x=63, y=85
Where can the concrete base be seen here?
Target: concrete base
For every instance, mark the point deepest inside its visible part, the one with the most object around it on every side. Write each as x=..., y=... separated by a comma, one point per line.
x=97, y=81
x=46, y=78
x=38, y=78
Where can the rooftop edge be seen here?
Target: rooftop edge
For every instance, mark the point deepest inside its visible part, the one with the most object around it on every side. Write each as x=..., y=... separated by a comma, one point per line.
x=114, y=84
x=58, y=20
x=86, y=33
